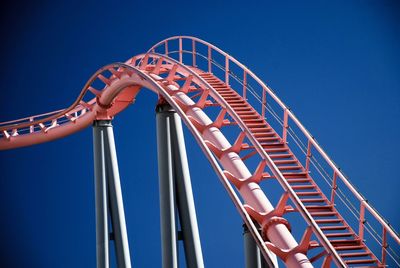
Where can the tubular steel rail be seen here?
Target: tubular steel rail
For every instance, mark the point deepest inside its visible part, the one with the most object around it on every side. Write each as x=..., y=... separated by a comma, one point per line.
x=197, y=81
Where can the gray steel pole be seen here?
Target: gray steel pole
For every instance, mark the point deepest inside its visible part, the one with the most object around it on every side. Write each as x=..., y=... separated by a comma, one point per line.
x=167, y=202
x=115, y=199
x=252, y=254
x=251, y=251
x=102, y=258
x=184, y=195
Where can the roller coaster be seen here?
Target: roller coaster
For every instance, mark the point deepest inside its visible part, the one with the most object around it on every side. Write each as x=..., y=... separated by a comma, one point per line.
x=254, y=143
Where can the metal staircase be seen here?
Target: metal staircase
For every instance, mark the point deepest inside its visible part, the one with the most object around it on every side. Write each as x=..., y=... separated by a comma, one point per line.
x=346, y=242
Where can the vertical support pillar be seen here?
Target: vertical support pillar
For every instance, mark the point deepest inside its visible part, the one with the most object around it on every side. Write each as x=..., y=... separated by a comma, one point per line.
x=108, y=192
x=102, y=257
x=167, y=202
x=252, y=254
x=116, y=202
x=184, y=196
x=172, y=154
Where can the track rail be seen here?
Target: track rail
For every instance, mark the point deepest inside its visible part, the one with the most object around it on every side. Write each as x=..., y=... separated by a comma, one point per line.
x=189, y=92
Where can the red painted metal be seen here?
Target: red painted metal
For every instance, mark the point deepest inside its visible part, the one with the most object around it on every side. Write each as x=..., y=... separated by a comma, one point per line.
x=190, y=90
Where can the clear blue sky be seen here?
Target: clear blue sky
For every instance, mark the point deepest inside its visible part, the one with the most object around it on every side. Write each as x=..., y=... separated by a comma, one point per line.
x=335, y=63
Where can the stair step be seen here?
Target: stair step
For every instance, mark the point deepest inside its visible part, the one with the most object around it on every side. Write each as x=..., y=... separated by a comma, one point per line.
x=246, y=117
x=229, y=90
x=308, y=194
x=315, y=208
x=275, y=150
x=355, y=254
x=263, y=139
x=295, y=175
x=345, y=242
x=312, y=200
x=289, y=161
x=296, y=167
x=343, y=248
x=234, y=105
x=298, y=180
x=265, y=133
x=256, y=121
x=227, y=95
x=256, y=125
x=323, y=214
x=244, y=113
x=301, y=187
x=231, y=96
x=329, y=228
x=280, y=156
x=359, y=261
x=324, y=221
x=261, y=129
x=338, y=235
x=243, y=109
x=237, y=101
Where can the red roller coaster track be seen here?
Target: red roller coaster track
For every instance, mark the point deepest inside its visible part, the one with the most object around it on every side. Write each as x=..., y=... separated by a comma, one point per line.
x=215, y=94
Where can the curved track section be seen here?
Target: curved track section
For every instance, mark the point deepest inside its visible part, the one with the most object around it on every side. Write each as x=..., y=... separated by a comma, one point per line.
x=212, y=109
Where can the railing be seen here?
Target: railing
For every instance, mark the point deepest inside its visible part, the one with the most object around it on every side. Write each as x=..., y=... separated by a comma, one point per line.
x=356, y=210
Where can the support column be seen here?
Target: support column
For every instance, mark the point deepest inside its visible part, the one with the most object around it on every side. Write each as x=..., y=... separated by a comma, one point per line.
x=116, y=202
x=174, y=172
x=102, y=257
x=252, y=254
x=108, y=192
x=166, y=184
x=185, y=200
